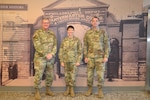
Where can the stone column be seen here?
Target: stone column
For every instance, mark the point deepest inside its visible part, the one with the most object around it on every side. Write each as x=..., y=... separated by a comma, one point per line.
x=130, y=48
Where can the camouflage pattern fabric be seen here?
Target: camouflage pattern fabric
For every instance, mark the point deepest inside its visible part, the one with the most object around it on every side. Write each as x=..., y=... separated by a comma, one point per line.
x=95, y=63
x=70, y=50
x=96, y=48
x=70, y=73
x=44, y=43
x=70, y=53
x=96, y=44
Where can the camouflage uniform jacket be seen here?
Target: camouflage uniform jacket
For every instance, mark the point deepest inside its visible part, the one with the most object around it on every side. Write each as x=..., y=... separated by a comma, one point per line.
x=44, y=43
x=70, y=50
x=96, y=44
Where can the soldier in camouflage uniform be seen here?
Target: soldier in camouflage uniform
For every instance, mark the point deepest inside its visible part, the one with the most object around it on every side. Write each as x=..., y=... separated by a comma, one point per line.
x=44, y=41
x=70, y=54
x=96, y=52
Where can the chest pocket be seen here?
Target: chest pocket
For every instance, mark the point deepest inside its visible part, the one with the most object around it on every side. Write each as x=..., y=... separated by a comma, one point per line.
x=46, y=38
x=66, y=46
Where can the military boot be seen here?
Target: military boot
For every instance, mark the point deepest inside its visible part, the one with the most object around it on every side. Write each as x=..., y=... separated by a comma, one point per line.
x=100, y=93
x=37, y=94
x=49, y=92
x=72, y=94
x=89, y=91
x=67, y=90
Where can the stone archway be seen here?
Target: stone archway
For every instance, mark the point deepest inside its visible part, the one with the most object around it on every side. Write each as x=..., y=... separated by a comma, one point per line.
x=79, y=17
x=60, y=31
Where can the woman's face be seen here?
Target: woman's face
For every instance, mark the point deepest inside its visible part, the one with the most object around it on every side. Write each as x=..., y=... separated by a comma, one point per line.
x=70, y=31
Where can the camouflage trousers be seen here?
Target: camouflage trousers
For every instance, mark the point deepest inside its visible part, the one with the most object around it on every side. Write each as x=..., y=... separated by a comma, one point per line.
x=70, y=70
x=98, y=65
x=41, y=64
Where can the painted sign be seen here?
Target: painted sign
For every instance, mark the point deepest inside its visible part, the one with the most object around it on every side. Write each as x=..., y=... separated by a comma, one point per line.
x=82, y=14
x=13, y=6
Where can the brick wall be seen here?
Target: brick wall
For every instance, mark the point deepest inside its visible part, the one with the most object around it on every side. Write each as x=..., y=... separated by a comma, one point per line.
x=23, y=69
x=142, y=71
x=130, y=71
x=8, y=71
x=5, y=73
x=134, y=72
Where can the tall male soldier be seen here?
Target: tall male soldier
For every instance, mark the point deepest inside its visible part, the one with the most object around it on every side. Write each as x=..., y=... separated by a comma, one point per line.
x=44, y=41
x=96, y=52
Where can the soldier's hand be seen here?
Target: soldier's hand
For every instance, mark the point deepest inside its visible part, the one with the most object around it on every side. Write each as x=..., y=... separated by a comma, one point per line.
x=105, y=60
x=86, y=60
x=77, y=64
x=49, y=56
x=62, y=64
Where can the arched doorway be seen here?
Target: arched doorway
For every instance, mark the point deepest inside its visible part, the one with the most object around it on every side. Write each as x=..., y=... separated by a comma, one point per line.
x=79, y=17
x=113, y=61
x=60, y=31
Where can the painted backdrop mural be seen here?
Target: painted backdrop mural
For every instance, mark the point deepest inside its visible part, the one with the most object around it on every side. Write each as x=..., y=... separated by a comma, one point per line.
x=125, y=26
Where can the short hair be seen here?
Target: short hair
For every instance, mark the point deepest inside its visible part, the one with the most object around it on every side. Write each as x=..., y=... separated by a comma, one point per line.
x=70, y=26
x=94, y=17
x=45, y=18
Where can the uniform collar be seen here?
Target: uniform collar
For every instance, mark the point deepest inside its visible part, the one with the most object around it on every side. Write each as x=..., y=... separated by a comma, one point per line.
x=70, y=38
x=45, y=30
x=97, y=29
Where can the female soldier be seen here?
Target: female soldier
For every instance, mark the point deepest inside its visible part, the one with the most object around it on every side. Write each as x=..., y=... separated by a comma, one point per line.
x=70, y=57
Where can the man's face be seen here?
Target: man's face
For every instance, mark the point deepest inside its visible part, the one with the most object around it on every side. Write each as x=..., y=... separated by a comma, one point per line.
x=45, y=24
x=95, y=22
x=70, y=32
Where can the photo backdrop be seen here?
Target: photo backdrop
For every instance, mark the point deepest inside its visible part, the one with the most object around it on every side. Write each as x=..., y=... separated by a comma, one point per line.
x=124, y=22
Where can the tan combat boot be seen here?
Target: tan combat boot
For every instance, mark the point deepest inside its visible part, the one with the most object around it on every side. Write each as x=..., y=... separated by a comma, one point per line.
x=89, y=91
x=49, y=92
x=72, y=94
x=66, y=93
x=100, y=93
x=37, y=94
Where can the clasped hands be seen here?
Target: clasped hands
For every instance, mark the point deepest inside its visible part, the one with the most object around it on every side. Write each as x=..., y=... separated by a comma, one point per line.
x=62, y=64
x=104, y=60
x=49, y=56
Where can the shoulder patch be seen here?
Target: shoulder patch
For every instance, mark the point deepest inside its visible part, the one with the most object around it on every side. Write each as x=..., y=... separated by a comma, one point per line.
x=36, y=32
